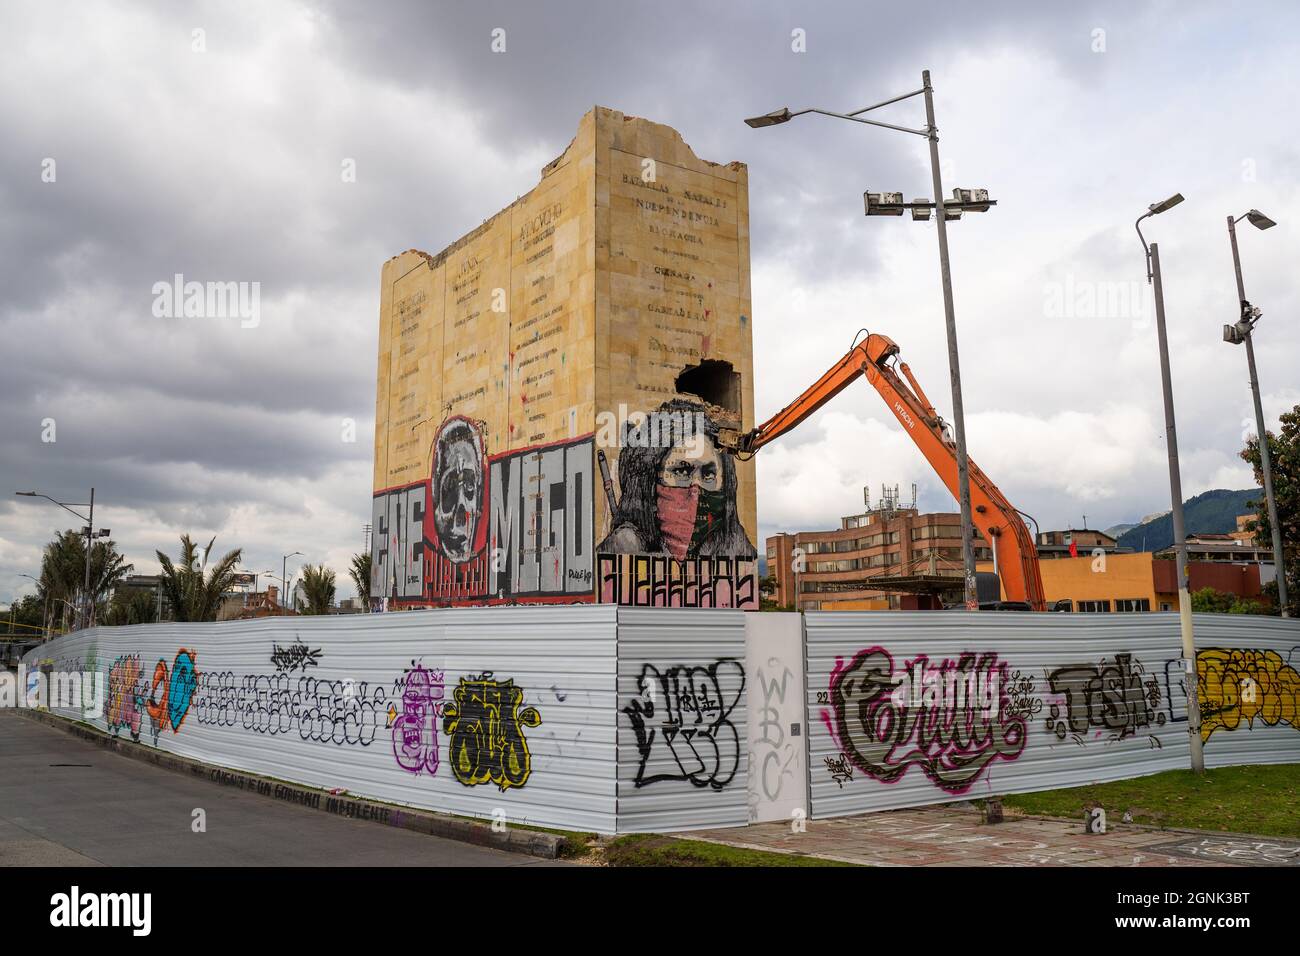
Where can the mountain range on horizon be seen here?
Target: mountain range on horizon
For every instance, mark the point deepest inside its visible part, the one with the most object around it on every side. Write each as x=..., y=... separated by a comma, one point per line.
x=1211, y=512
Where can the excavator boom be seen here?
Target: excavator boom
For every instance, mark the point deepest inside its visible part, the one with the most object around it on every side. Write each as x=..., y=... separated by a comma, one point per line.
x=995, y=517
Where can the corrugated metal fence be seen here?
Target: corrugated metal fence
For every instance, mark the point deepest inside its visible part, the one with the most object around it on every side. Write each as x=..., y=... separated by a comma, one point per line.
x=913, y=709
x=608, y=719
x=507, y=711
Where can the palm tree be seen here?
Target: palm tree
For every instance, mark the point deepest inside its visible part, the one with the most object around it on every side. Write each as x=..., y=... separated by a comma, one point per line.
x=63, y=565
x=192, y=594
x=107, y=569
x=317, y=589
x=360, y=574
x=63, y=572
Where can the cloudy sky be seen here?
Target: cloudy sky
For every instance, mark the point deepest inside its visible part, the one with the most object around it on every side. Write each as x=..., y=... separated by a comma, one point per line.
x=218, y=155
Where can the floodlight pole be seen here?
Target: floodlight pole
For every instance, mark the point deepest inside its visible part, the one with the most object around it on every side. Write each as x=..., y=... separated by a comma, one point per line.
x=931, y=133
x=1264, y=456
x=954, y=367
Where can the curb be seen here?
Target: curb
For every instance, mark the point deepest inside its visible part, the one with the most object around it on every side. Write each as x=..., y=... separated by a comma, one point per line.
x=536, y=843
x=1150, y=828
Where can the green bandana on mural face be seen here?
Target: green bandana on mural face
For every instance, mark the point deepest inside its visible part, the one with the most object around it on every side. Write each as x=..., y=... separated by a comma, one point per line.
x=708, y=515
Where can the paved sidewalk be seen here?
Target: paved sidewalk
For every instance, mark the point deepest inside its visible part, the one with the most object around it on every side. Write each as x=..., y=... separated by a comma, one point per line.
x=67, y=802
x=954, y=836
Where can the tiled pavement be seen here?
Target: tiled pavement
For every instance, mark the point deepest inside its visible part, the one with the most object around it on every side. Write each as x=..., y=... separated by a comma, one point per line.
x=955, y=836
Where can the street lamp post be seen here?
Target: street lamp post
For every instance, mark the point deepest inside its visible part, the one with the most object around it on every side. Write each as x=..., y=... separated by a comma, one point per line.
x=87, y=604
x=45, y=611
x=951, y=209
x=284, y=564
x=1175, y=492
x=1236, y=334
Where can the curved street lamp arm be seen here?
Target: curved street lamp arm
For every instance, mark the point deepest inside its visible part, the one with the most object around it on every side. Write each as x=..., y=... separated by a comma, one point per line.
x=1145, y=248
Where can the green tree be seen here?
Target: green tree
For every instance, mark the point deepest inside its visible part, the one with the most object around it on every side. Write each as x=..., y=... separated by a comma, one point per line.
x=360, y=574
x=191, y=588
x=317, y=589
x=25, y=617
x=63, y=574
x=130, y=606
x=1212, y=601
x=1284, y=453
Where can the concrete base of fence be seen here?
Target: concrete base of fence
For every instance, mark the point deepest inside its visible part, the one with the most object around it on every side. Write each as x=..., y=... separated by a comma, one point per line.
x=531, y=842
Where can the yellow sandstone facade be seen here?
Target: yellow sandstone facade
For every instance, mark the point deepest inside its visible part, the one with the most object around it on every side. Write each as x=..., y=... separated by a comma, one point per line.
x=550, y=387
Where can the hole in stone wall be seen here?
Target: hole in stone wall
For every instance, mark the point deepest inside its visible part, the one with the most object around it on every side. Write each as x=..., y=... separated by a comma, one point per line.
x=715, y=381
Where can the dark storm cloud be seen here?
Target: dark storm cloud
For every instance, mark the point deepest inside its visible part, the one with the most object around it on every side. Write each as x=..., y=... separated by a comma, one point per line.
x=158, y=174
x=702, y=68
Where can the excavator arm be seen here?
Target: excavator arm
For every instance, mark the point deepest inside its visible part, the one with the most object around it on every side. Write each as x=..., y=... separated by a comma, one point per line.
x=995, y=518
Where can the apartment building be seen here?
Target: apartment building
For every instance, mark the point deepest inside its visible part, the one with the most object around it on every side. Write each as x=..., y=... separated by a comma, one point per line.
x=882, y=559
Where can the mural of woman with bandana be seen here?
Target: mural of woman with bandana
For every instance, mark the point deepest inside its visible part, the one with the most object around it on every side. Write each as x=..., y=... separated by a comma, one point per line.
x=678, y=489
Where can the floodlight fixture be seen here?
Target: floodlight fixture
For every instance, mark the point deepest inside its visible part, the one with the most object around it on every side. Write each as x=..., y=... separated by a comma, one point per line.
x=774, y=118
x=1166, y=205
x=1259, y=220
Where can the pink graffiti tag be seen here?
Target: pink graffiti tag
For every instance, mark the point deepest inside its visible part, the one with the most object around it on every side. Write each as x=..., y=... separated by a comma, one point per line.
x=951, y=719
x=415, y=730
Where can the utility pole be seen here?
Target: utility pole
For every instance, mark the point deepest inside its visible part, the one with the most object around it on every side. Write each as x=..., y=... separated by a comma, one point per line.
x=1242, y=332
x=90, y=544
x=954, y=365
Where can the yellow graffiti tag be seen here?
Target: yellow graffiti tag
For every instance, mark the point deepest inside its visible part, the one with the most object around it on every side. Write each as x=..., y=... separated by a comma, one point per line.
x=1242, y=686
x=486, y=726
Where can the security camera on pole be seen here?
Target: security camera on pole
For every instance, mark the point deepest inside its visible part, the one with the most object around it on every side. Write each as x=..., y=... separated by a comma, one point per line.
x=1237, y=334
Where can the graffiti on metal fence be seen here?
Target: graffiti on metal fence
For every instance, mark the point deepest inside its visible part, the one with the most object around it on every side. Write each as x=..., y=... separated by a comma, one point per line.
x=1021, y=700
x=415, y=726
x=682, y=718
x=774, y=753
x=951, y=719
x=164, y=697
x=124, y=707
x=334, y=711
x=485, y=725
x=1240, y=687
x=840, y=769
x=91, y=666
x=297, y=656
x=1114, y=697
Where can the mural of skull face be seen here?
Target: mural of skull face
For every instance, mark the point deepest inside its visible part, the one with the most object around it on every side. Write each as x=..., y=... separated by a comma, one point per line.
x=458, y=489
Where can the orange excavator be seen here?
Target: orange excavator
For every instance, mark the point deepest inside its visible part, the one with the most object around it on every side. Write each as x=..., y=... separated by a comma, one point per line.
x=1015, y=557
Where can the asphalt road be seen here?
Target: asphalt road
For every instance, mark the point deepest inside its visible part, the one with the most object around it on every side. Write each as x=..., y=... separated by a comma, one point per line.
x=66, y=802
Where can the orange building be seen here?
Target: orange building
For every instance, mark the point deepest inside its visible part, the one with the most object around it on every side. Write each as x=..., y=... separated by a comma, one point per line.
x=1137, y=582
